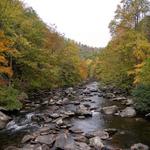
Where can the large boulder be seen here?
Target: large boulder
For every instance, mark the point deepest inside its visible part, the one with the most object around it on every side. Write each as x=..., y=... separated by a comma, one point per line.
x=110, y=110
x=128, y=112
x=4, y=119
x=139, y=146
x=96, y=143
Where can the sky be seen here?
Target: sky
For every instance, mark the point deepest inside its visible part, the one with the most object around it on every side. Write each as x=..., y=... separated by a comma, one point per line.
x=84, y=21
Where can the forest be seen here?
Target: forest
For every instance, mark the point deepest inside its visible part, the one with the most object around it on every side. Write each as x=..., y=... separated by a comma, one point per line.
x=33, y=55
x=125, y=62
x=57, y=93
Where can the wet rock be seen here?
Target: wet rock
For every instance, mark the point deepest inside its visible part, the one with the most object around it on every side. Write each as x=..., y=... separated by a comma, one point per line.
x=59, y=102
x=69, y=91
x=86, y=91
x=3, y=109
x=129, y=102
x=109, y=95
x=128, y=112
x=121, y=98
x=64, y=141
x=96, y=143
x=59, y=121
x=35, y=147
x=82, y=146
x=111, y=131
x=139, y=146
x=45, y=139
x=147, y=115
x=100, y=133
x=4, y=119
x=51, y=102
x=46, y=102
x=27, y=138
x=110, y=110
x=83, y=111
x=44, y=129
x=69, y=113
x=38, y=118
x=12, y=148
x=80, y=138
x=54, y=115
x=87, y=105
x=81, y=117
x=75, y=130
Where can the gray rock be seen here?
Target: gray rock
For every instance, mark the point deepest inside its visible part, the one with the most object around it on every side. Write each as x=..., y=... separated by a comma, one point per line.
x=59, y=121
x=83, y=111
x=82, y=146
x=11, y=148
x=45, y=139
x=121, y=98
x=110, y=110
x=80, y=138
x=100, y=133
x=147, y=115
x=109, y=95
x=75, y=130
x=35, y=147
x=27, y=138
x=64, y=141
x=69, y=91
x=4, y=119
x=129, y=102
x=111, y=131
x=69, y=113
x=96, y=143
x=128, y=112
x=86, y=91
x=139, y=146
x=54, y=115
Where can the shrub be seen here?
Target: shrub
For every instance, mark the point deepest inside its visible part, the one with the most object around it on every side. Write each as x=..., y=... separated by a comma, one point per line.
x=142, y=98
x=8, y=98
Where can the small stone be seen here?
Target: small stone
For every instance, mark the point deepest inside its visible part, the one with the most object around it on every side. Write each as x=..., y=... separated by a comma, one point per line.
x=54, y=115
x=96, y=143
x=81, y=117
x=75, y=130
x=139, y=146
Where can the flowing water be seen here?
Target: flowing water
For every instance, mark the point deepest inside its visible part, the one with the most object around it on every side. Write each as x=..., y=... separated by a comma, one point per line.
x=130, y=130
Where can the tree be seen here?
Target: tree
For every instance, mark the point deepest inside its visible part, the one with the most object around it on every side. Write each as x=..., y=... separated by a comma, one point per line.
x=6, y=53
x=128, y=15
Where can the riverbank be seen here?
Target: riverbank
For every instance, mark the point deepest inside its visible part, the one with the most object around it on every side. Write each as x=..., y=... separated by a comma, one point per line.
x=72, y=119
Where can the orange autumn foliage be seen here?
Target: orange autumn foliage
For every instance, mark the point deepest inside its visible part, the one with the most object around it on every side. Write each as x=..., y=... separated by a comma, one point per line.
x=5, y=49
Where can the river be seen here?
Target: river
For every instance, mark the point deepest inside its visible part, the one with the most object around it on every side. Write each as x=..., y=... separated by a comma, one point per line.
x=129, y=130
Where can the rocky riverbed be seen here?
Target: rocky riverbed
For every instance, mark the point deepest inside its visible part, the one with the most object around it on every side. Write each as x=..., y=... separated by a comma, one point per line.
x=85, y=117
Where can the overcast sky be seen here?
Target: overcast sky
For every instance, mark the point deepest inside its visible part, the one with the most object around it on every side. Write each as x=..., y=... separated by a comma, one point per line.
x=84, y=21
